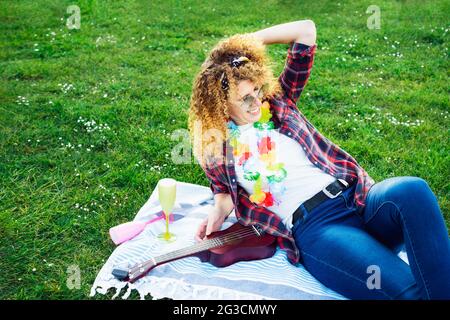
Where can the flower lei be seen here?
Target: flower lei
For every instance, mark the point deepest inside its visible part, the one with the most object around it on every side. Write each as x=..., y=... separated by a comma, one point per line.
x=266, y=155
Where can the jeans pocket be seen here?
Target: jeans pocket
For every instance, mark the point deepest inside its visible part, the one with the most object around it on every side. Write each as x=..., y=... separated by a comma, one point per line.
x=295, y=227
x=348, y=200
x=300, y=221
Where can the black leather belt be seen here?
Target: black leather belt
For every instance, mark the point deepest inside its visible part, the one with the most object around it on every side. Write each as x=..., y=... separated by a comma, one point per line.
x=329, y=192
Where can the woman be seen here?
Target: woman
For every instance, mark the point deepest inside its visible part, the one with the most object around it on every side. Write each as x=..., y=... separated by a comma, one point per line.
x=268, y=162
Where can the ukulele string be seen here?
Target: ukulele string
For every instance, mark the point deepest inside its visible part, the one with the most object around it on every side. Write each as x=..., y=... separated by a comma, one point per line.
x=211, y=243
x=143, y=268
x=214, y=242
x=208, y=244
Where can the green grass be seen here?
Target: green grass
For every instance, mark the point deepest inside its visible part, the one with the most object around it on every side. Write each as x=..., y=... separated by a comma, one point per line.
x=131, y=67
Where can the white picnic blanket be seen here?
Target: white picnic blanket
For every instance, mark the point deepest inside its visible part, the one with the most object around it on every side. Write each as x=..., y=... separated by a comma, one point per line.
x=189, y=278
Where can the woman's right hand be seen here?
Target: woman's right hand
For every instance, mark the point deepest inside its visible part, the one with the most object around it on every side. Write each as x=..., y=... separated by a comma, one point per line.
x=211, y=224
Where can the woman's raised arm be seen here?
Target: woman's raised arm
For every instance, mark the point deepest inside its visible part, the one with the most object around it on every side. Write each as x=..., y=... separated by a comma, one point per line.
x=302, y=31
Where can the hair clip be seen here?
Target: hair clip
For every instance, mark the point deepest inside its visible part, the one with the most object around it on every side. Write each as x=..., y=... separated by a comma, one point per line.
x=224, y=81
x=236, y=62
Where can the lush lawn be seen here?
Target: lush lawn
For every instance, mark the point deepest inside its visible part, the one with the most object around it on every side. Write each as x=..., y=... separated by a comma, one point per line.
x=86, y=116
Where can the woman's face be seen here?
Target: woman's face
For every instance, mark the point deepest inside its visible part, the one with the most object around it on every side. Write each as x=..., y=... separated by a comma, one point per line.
x=239, y=113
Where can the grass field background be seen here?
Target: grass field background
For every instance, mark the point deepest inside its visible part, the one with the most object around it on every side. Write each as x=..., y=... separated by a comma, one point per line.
x=86, y=116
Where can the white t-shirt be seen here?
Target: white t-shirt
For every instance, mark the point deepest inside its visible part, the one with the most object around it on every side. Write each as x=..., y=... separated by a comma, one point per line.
x=303, y=178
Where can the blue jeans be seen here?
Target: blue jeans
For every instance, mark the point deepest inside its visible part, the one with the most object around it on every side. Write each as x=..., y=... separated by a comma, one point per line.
x=356, y=254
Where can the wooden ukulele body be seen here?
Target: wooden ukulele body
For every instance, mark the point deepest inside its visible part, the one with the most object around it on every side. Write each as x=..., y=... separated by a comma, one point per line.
x=248, y=248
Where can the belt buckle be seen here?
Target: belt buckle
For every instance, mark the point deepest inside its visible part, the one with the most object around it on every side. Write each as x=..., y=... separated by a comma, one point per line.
x=329, y=195
x=332, y=196
x=345, y=183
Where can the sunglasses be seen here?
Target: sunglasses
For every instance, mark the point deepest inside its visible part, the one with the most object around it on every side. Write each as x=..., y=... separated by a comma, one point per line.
x=249, y=100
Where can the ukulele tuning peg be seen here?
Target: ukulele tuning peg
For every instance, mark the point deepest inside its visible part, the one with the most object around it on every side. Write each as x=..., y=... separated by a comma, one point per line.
x=120, y=274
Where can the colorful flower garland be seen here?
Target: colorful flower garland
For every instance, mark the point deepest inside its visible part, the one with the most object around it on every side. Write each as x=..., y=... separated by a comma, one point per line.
x=266, y=155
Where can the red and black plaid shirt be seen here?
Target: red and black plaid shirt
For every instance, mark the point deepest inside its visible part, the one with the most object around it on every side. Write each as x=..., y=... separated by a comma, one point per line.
x=320, y=151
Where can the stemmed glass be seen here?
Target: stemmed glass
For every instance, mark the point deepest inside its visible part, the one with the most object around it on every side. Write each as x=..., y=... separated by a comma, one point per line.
x=167, y=189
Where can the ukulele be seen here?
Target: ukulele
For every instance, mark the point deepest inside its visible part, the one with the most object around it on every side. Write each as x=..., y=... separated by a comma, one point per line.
x=221, y=249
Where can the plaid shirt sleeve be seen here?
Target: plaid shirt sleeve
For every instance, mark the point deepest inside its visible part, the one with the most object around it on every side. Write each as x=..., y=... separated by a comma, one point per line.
x=213, y=175
x=297, y=69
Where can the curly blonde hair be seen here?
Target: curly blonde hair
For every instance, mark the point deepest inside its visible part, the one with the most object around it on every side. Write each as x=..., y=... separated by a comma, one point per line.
x=208, y=113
